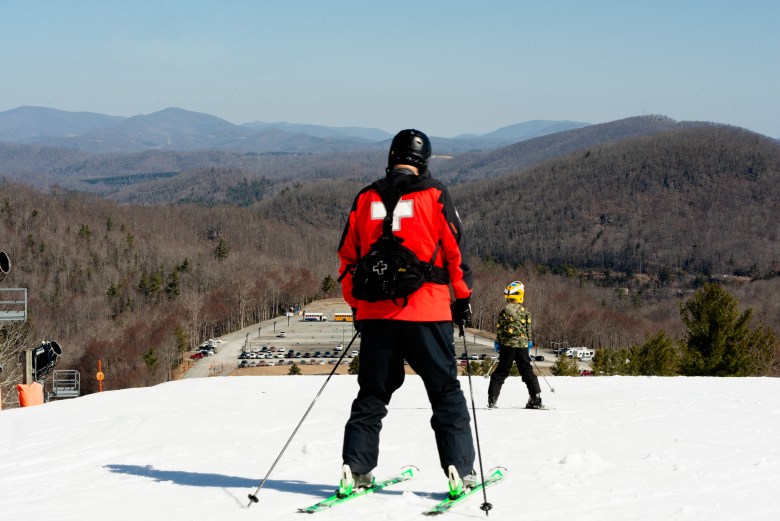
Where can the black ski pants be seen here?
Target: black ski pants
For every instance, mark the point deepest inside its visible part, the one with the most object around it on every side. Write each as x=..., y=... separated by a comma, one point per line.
x=506, y=356
x=429, y=348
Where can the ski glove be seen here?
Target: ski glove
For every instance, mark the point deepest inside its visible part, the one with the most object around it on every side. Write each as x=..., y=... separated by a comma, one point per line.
x=461, y=312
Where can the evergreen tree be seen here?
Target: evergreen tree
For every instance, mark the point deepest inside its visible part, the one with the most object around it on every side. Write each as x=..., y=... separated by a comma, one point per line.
x=613, y=361
x=173, y=289
x=718, y=338
x=294, y=370
x=659, y=356
x=222, y=250
x=565, y=366
x=354, y=366
x=150, y=361
x=328, y=285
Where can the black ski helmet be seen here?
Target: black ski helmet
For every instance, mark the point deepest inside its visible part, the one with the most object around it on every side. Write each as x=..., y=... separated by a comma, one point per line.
x=410, y=147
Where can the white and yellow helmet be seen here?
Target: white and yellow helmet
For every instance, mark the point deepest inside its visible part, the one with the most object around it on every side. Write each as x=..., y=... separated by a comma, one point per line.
x=515, y=292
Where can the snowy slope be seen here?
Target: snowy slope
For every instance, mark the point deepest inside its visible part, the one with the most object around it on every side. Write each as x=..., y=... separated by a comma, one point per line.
x=613, y=449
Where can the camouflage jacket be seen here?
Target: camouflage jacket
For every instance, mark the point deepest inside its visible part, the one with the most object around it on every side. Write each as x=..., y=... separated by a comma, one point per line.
x=514, y=326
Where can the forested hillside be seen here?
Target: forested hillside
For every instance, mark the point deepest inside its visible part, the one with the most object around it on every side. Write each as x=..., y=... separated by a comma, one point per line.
x=609, y=240
x=694, y=201
x=120, y=282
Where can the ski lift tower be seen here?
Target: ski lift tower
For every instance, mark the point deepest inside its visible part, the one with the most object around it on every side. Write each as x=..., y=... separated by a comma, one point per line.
x=38, y=361
x=13, y=301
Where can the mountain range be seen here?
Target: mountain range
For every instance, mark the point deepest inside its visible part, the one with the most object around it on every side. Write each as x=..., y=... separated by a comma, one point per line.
x=183, y=130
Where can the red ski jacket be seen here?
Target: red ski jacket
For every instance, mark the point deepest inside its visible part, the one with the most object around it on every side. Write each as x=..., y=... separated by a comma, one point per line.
x=424, y=217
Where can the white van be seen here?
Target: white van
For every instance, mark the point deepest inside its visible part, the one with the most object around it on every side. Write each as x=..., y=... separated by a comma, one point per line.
x=586, y=355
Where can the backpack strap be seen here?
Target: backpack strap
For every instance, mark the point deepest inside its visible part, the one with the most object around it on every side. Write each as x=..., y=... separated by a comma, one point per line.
x=390, y=196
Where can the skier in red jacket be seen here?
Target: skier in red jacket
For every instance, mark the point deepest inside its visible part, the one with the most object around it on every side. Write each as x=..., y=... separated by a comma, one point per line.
x=417, y=328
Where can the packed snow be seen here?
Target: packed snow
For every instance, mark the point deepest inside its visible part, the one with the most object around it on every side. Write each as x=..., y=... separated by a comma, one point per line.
x=610, y=449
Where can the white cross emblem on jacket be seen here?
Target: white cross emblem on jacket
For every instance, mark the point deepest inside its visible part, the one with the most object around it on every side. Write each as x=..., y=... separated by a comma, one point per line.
x=402, y=210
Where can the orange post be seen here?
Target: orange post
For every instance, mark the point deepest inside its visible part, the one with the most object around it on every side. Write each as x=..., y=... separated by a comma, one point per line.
x=100, y=376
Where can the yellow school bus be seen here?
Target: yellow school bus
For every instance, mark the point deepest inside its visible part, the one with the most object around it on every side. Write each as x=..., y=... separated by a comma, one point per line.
x=343, y=317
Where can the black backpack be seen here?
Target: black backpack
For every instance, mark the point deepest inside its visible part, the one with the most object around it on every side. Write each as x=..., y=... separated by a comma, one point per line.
x=390, y=270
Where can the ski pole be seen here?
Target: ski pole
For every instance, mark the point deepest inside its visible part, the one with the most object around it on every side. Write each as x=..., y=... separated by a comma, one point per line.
x=541, y=373
x=253, y=497
x=485, y=506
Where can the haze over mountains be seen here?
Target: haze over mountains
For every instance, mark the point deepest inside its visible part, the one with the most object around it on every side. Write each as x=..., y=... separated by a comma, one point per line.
x=167, y=155
x=178, y=129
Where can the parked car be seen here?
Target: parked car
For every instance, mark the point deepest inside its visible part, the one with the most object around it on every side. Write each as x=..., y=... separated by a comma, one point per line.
x=353, y=354
x=196, y=356
x=586, y=372
x=339, y=347
x=538, y=358
x=282, y=334
x=244, y=363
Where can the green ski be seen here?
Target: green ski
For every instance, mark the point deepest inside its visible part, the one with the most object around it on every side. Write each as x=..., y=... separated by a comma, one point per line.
x=495, y=475
x=406, y=474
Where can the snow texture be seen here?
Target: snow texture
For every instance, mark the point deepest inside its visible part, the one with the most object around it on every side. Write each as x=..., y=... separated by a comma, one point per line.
x=613, y=449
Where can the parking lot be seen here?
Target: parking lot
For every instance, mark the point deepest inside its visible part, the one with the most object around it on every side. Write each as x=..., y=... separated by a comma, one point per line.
x=274, y=339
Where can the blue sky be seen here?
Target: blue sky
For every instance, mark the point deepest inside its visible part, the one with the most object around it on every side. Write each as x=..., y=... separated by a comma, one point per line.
x=445, y=67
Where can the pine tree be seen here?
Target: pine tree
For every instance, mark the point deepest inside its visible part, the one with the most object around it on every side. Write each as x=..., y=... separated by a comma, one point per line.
x=565, y=366
x=354, y=365
x=719, y=340
x=659, y=356
x=328, y=285
x=222, y=250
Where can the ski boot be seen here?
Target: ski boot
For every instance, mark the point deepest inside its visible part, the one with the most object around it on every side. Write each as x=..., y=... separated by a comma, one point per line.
x=350, y=482
x=492, y=402
x=457, y=485
x=534, y=402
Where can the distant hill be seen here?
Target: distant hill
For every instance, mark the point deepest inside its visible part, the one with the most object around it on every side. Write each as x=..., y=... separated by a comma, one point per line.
x=367, y=134
x=169, y=129
x=495, y=163
x=182, y=130
x=693, y=200
x=700, y=200
x=36, y=124
x=532, y=129
x=277, y=140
